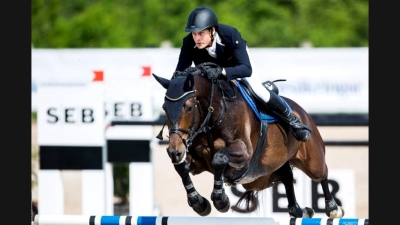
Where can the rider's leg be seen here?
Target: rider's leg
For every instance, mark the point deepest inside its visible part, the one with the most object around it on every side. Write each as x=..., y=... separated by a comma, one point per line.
x=277, y=105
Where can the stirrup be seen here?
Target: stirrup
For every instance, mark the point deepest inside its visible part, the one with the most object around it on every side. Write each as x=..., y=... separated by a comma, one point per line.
x=300, y=131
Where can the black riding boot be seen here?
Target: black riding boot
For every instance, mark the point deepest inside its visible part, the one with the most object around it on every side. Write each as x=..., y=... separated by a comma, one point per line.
x=280, y=109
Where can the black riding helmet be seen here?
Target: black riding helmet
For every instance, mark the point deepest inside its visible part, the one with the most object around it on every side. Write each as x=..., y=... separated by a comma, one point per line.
x=201, y=18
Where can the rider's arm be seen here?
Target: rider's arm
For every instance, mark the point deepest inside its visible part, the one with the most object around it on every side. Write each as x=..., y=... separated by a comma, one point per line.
x=240, y=55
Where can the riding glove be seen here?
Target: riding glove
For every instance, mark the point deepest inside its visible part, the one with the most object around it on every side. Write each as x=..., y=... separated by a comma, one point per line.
x=177, y=74
x=191, y=69
x=214, y=73
x=212, y=70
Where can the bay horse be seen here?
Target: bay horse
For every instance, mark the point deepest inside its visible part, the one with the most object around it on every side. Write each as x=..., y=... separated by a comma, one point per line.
x=213, y=128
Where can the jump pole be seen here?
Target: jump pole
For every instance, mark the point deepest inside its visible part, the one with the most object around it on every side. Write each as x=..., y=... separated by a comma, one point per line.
x=178, y=220
x=149, y=220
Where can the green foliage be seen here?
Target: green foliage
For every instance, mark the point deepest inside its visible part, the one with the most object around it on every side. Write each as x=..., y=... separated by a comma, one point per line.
x=34, y=116
x=34, y=165
x=148, y=23
x=335, y=23
x=121, y=181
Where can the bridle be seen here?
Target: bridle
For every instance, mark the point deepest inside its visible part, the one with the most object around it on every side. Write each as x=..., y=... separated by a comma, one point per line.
x=191, y=132
x=205, y=126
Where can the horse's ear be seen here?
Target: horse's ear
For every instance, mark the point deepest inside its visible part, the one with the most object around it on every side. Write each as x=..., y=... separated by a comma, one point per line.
x=189, y=83
x=163, y=81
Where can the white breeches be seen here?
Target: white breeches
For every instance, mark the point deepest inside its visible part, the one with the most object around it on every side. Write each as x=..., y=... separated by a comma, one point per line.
x=255, y=81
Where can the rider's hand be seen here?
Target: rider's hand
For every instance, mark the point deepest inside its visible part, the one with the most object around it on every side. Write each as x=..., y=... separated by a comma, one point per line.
x=191, y=69
x=177, y=74
x=212, y=70
x=214, y=73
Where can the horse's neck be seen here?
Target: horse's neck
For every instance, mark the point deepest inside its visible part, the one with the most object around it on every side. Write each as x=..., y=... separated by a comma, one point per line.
x=203, y=88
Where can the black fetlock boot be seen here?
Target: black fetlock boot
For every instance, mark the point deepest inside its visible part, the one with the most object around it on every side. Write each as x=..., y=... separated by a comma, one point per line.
x=277, y=105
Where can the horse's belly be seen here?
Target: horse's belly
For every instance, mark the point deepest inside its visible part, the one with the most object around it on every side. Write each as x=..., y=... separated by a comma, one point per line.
x=248, y=179
x=244, y=176
x=260, y=183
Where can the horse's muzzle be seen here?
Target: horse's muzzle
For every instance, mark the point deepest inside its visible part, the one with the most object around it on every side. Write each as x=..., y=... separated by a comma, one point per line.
x=176, y=148
x=177, y=156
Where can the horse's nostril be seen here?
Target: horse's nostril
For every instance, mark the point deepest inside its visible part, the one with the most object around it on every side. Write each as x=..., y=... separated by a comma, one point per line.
x=173, y=154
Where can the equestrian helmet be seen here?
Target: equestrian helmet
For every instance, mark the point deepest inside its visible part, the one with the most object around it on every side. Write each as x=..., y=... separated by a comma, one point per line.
x=201, y=18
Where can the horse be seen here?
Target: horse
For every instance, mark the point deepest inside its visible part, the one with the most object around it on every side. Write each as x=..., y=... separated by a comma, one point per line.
x=213, y=127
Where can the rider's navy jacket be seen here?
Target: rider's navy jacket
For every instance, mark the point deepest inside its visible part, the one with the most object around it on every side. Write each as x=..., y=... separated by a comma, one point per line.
x=232, y=56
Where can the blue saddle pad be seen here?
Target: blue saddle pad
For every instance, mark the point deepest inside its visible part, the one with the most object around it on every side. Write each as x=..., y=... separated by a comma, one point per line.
x=249, y=100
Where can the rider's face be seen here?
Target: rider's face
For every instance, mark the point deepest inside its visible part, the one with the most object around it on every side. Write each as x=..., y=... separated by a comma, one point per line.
x=202, y=38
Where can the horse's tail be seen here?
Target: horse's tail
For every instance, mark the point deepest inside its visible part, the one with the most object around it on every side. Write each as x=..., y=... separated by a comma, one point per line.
x=250, y=201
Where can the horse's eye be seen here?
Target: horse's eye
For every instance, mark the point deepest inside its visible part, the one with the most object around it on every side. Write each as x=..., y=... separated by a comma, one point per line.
x=189, y=108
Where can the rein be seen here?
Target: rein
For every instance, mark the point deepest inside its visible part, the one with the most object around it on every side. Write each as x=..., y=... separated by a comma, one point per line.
x=203, y=128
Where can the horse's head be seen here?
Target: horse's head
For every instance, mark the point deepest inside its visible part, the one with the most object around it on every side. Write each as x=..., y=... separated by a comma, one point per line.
x=182, y=113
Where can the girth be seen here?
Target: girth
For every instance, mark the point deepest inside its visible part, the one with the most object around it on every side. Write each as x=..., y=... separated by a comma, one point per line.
x=252, y=172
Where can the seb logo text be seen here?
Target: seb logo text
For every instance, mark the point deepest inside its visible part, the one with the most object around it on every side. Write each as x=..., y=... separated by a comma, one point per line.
x=70, y=115
x=85, y=115
x=124, y=110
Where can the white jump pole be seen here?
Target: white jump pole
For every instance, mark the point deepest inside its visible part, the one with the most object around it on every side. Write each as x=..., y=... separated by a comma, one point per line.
x=149, y=220
x=177, y=220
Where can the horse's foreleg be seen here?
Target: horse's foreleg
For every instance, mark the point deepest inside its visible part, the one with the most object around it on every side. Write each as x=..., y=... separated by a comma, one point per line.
x=220, y=199
x=286, y=174
x=331, y=208
x=199, y=204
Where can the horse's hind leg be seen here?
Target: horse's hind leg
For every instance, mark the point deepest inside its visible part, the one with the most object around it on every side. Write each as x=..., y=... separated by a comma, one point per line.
x=195, y=200
x=320, y=175
x=286, y=176
x=331, y=208
x=218, y=196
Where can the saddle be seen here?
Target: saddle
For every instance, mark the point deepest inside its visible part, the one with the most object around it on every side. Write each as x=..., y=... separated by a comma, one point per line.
x=255, y=102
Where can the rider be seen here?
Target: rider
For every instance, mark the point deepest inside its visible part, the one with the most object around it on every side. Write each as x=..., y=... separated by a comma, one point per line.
x=210, y=41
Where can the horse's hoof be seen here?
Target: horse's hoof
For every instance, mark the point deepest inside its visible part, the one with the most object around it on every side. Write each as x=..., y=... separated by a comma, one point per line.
x=202, y=208
x=222, y=206
x=308, y=212
x=338, y=213
x=333, y=210
x=295, y=211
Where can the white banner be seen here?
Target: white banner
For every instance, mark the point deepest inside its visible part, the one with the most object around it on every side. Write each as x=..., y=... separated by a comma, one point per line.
x=321, y=80
x=71, y=114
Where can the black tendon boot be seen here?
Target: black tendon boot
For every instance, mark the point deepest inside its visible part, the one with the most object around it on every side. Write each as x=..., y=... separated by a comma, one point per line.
x=280, y=109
